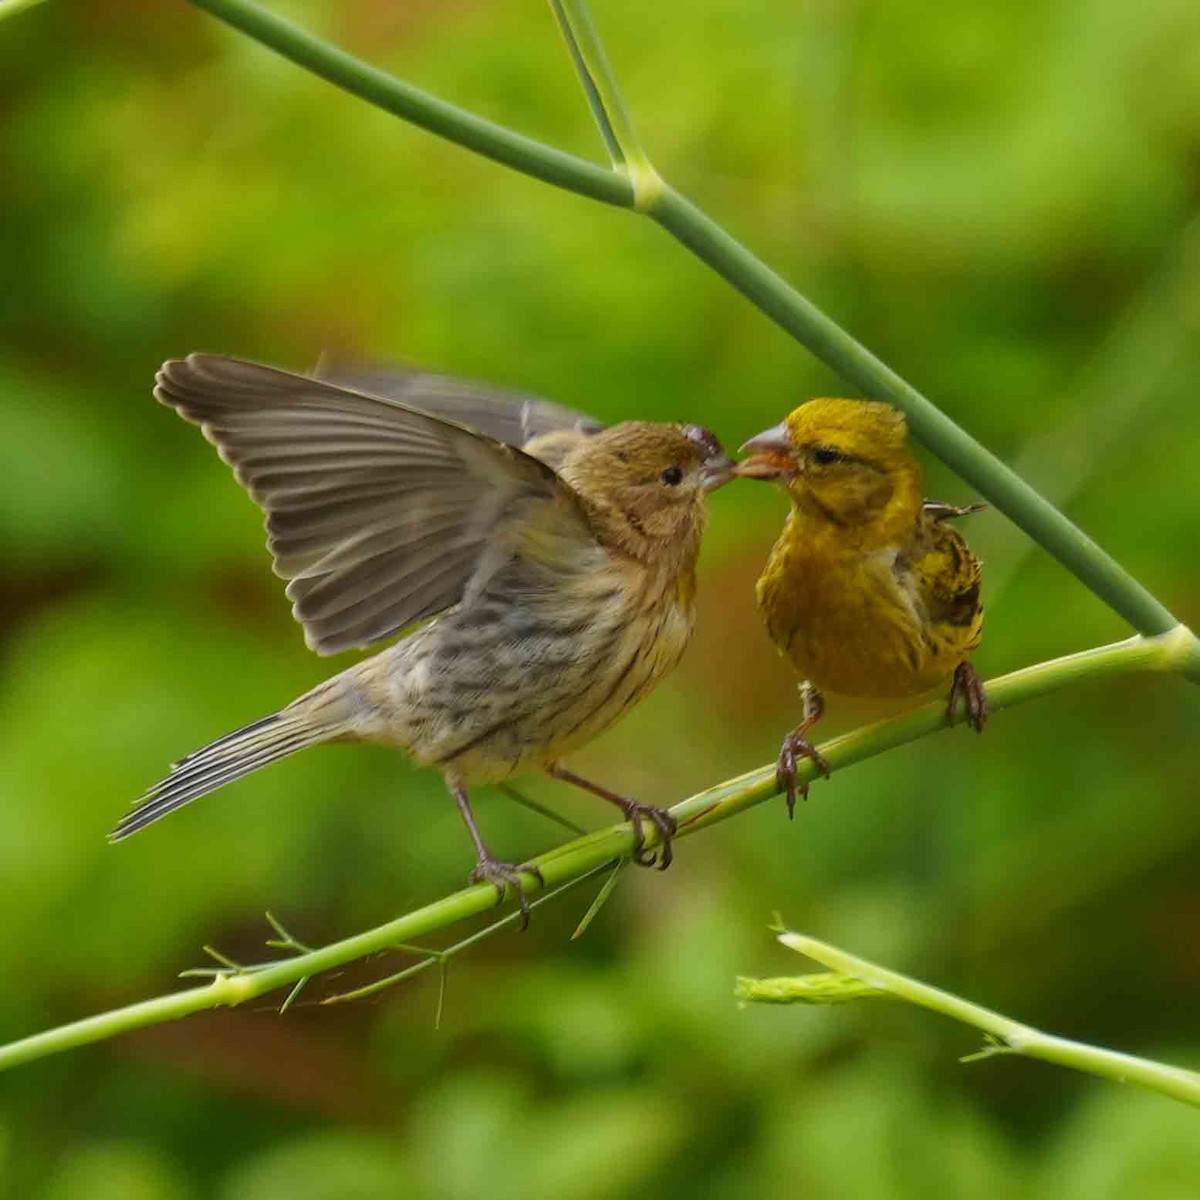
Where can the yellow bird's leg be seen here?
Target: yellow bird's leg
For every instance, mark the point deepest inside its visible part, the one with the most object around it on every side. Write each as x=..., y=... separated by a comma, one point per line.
x=968, y=686
x=488, y=868
x=634, y=812
x=796, y=746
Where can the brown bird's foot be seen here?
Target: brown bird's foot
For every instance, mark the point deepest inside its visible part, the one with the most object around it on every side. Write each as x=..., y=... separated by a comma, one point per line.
x=967, y=686
x=662, y=820
x=488, y=868
x=635, y=814
x=503, y=876
x=796, y=747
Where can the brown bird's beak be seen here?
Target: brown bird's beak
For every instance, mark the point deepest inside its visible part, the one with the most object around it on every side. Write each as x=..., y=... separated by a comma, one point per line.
x=717, y=471
x=772, y=457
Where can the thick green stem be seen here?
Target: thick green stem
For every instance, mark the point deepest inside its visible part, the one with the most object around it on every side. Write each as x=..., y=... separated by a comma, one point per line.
x=1006, y=1036
x=699, y=233
x=1168, y=653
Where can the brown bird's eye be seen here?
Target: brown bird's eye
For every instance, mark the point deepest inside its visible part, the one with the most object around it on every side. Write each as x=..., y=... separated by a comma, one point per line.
x=824, y=455
x=672, y=476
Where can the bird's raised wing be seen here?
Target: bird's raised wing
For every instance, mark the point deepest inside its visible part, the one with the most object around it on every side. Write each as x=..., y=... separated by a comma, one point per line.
x=378, y=514
x=509, y=417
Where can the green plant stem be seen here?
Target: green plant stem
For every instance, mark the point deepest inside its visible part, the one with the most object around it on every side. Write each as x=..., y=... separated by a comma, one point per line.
x=10, y=8
x=1167, y=653
x=1006, y=1036
x=748, y=274
x=420, y=108
x=604, y=99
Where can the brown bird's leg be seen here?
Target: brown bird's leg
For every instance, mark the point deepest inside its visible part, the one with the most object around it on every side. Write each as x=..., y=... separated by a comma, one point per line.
x=968, y=686
x=796, y=745
x=634, y=814
x=488, y=868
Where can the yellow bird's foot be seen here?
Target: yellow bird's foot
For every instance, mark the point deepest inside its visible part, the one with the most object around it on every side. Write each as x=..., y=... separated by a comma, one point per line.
x=796, y=746
x=967, y=686
x=502, y=876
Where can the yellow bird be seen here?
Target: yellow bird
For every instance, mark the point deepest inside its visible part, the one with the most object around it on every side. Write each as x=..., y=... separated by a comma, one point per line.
x=868, y=591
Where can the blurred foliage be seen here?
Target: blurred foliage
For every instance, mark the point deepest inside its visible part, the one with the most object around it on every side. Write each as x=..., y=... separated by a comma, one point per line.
x=987, y=194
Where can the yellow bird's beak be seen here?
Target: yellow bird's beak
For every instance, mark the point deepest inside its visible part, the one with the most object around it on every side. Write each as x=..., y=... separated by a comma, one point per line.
x=771, y=456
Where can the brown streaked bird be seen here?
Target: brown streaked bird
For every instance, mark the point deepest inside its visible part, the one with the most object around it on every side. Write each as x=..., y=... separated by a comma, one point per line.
x=868, y=591
x=556, y=557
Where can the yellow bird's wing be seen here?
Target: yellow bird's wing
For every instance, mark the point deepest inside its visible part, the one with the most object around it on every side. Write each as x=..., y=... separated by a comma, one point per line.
x=947, y=575
x=378, y=514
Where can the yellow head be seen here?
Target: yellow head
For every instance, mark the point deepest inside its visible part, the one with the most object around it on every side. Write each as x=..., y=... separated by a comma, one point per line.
x=845, y=462
x=644, y=484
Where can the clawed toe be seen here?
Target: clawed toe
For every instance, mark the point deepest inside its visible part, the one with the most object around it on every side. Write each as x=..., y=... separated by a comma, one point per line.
x=796, y=747
x=666, y=825
x=503, y=876
x=635, y=814
x=967, y=685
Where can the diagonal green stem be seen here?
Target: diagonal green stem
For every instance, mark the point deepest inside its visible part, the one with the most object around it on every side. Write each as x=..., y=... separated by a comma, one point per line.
x=1168, y=653
x=1044, y=523
x=748, y=274
x=1005, y=1035
x=10, y=8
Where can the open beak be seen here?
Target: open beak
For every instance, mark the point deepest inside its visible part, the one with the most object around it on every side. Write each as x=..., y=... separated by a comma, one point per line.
x=718, y=470
x=771, y=456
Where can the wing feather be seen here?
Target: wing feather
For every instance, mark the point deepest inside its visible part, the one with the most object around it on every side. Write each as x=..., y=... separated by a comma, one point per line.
x=378, y=512
x=509, y=417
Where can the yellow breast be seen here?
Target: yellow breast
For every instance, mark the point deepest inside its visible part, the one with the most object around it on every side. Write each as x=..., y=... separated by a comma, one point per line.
x=853, y=622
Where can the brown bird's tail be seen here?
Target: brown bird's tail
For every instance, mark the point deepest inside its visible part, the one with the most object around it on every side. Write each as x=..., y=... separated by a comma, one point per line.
x=228, y=758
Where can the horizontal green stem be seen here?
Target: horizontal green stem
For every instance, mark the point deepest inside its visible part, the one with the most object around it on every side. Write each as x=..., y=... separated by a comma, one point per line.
x=1008, y=1036
x=1168, y=653
x=420, y=108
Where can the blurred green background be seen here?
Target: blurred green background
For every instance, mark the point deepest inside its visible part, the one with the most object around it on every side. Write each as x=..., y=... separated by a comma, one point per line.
x=999, y=199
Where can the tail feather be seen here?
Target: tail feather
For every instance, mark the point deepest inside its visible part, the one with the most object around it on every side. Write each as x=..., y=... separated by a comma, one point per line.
x=228, y=758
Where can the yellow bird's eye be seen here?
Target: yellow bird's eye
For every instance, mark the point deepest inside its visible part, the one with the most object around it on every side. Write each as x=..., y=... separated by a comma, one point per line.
x=823, y=456
x=672, y=476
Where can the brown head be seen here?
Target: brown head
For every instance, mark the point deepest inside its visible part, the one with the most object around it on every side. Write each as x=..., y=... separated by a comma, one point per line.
x=844, y=461
x=643, y=485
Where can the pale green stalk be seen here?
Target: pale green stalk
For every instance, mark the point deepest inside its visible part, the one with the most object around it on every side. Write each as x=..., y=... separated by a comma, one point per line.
x=604, y=99
x=854, y=977
x=1167, y=654
x=729, y=258
x=10, y=8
